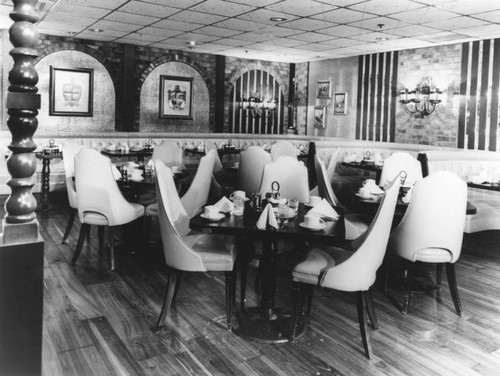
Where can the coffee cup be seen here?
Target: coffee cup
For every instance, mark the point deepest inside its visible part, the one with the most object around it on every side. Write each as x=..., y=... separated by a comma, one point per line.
x=211, y=211
x=238, y=194
x=314, y=200
x=364, y=192
x=313, y=221
x=369, y=183
x=175, y=169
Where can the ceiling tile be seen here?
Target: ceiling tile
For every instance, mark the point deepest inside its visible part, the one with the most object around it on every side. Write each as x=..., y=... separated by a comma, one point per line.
x=112, y=25
x=257, y=3
x=238, y=24
x=233, y=42
x=134, y=19
x=385, y=7
x=343, y=31
x=339, y=42
x=493, y=16
x=374, y=37
x=264, y=16
x=253, y=37
x=176, y=25
x=68, y=18
x=146, y=37
x=106, y=4
x=89, y=12
x=164, y=33
x=95, y=36
x=427, y=14
x=197, y=17
x=276, y=31
x=468, y=7
x=373, y=23
x=343, y=16
x=223, y=8
x=413, y=30
x=197, y=37
x=148, y=9
x=217, y=31
x=311, y=37
x=455, y=23
x=307, y=24
x=301, y=8
x=485, y=31
x=133, y=41
x=176, y=3
x=65, y=28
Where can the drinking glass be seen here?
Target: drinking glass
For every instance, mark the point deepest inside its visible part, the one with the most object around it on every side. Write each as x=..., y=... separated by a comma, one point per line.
x=239, y=206
x=293, y=204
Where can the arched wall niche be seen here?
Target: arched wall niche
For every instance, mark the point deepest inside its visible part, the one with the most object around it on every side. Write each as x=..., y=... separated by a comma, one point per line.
x=149, y=108
x=104, y=97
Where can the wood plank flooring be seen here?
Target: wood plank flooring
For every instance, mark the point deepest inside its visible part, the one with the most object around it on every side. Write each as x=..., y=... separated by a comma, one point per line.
x=98, y=322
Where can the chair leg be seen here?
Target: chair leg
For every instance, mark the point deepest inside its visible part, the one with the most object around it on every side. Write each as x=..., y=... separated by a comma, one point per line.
x=409, y=286
x=297, y=307
x=100, y=231
x=147, y=229
x=370, y=307
x=178, y=281
x=167, y=300
x=229, y=293
x=439, y=273
x=452, y=282
x=309, y=290
x=71, y=219
x=112, y=247
x=84, y=231
x=365, y=337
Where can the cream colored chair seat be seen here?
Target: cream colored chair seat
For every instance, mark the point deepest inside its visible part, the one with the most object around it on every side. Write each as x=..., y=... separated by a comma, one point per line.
x=352, y=269
x=187, y=252
x=100, y=201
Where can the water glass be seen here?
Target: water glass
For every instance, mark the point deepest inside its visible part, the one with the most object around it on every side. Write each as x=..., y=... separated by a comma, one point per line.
x=239, y=206
x=293, y=204
x=282, y=209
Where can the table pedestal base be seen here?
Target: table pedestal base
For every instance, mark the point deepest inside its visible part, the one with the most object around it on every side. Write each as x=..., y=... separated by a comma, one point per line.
x=253, y=326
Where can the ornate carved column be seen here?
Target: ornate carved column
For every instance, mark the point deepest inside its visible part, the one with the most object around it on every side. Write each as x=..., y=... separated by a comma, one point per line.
x=21, y=247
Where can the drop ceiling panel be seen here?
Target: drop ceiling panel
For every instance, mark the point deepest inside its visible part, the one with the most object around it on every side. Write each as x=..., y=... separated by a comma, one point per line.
x=301, y=8
x=106, y=4
x=468, y=7
x=135, y=19
x=307, y=24
x=386, y=7
x=148, y=9
x=197, y=17
x=176, y=25
x=223, y=8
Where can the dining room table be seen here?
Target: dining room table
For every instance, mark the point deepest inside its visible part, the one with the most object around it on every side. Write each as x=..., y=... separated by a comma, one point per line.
x=268, y=323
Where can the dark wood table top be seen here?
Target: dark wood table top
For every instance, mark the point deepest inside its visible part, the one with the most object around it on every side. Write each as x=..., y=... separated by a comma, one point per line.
x=486, y=186
x=246, y=226
x=363, y=166
x=130, y=153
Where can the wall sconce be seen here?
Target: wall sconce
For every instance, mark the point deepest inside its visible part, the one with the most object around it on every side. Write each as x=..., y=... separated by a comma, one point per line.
x=256, y=106
x=421, y=101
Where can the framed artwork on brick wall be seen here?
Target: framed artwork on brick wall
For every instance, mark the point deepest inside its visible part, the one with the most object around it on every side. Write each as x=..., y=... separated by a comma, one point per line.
x=71, y=91
x=324, y=90
x=176, y=97
x=319, y=116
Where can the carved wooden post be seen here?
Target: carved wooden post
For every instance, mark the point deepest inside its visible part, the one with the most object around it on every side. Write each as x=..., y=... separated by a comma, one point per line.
x=21, y=248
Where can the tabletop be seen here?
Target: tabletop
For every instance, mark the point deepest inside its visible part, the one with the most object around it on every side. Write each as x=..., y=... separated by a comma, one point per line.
x=486, y=186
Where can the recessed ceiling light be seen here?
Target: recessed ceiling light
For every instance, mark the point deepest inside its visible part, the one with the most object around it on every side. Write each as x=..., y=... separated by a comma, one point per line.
x=380, y=39
x=278, y=19
x=97, y=30
x=192, y=43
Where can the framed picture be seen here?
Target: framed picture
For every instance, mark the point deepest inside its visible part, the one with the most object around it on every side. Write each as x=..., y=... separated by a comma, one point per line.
x=324, y=90
x=71, y=91
x=340, y=104
x=319, y=117
x=176, y=97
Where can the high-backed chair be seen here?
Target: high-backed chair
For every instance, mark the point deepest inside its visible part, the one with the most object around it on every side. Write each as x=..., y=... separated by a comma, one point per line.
x=188, y=252
x=280, y=148
x=290, y=174
x=99, y=199
x=251, y=168
x=169, y=152
x=431, y=230
x=70, y=149
x=209, y=146
x=347, y=270
x=332, y=165
x=397, y=162
x=355, y=224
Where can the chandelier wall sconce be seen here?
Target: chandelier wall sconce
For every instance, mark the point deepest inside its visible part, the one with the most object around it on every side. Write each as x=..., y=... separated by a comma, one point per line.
x=255, y=106
x=422, y=101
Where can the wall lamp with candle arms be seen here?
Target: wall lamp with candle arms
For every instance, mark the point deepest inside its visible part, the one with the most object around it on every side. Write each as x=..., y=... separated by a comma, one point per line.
x=422, y=101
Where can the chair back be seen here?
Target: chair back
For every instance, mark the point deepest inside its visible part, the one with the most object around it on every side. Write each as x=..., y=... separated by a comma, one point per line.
x=97, y=191
x=178, y=254
x=197, y=195
x=332, y=165
x=291, y=174
x=435, y=218
x=209, y=146
x=169, y=152
x=324, y=187
x=251, y=167
x=280, y=148
x=358, y=272
x=70, y=149
x=397, y=162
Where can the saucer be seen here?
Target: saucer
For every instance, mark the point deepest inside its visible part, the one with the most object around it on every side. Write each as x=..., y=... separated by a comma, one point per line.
x=213, y=219
x=246, y=199
x=310, y=205
x=320, y=227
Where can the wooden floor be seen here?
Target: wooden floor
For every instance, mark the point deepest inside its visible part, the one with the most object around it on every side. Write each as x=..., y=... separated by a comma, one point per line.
x=98, y=322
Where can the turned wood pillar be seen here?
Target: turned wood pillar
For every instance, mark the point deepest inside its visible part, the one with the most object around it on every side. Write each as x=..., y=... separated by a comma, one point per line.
x=21, y=247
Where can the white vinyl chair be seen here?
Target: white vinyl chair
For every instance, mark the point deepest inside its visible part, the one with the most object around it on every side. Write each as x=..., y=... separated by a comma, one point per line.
x=332, y=165
x=355, y=223
x=186, y=252
x=397, y=162
x=291, y=174
x=280, y=148
x=251, y=168
x=169, y=152
x=70, y=149
x=350, y=270
x=99, y=199
x=431, y=230
x=209, y=146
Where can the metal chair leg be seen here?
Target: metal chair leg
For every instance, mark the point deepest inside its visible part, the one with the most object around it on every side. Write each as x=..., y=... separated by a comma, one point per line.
x=71, y=219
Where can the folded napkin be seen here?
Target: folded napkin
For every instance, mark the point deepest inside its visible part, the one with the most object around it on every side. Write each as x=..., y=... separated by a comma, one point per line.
x=267, y=218
x=116, y=173
x=150, y=165
x=375, y=190
x=324, y=210
x=480, y=178
x=352, y=158
x=225, y=205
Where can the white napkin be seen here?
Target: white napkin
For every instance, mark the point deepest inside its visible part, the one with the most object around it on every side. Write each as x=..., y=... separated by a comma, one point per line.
x=482, y=177
x=352, y=158
x=267, y=218
x=225, y=205
x=116, y=173
x=150, y=165
x=324, y=210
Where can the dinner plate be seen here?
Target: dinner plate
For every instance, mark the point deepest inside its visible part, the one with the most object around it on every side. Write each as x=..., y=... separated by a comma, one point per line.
x=320, y=227
x=213, y=219
x=373, y=197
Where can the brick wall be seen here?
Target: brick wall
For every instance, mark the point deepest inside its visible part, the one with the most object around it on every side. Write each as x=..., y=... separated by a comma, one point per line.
x=442, y=67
